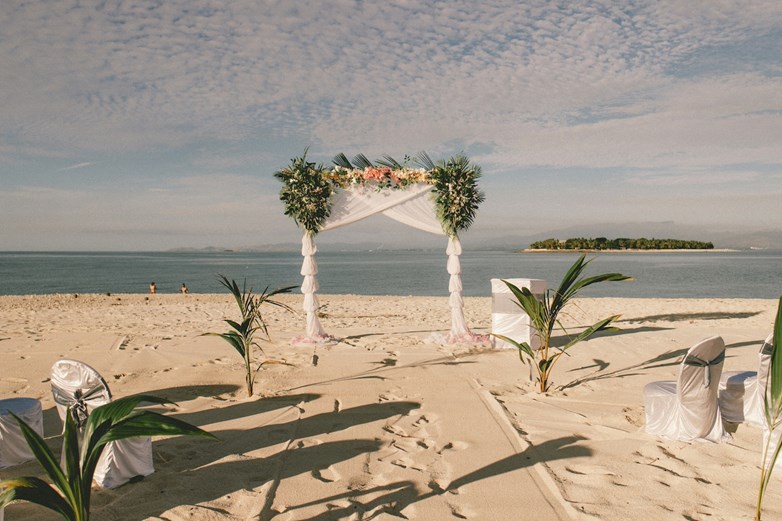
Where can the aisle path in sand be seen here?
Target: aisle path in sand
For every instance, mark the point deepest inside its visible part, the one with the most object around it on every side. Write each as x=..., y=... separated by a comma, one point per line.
x=434, y=451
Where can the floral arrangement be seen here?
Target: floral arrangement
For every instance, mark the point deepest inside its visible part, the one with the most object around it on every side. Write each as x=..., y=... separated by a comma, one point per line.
x=381, y=176
x=306, y=192
x=307, y=188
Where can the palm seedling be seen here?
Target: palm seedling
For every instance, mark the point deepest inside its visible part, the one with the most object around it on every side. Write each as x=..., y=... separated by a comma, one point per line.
x=773, y=410
x=544, y=318
x=241, y=336
x=69, y=494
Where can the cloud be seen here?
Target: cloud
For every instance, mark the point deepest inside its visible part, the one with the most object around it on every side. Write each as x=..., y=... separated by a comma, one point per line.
x=696, y=178
x=154, y=93
x=358, y=74
x=76, y=166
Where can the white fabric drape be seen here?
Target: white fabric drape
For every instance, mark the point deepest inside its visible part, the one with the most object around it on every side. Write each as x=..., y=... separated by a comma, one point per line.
x=13, y=445
x=458, y=322
x=742, y=393
x=309, y=287
x=412, y=206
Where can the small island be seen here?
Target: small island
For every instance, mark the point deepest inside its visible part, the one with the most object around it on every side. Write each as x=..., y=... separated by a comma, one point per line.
x=621, y=244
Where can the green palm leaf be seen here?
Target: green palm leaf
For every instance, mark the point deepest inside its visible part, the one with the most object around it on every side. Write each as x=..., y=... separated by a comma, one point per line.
x=422, y=159
x=523, y=347
x=602, y=325
x=242, y=338
x=37, y=491
x=46, y=459
x=149, y=423
x=342, y=160
x=361, y=161
x=111, y=422
x=544, y=318
x=390, y=162
x=775, y=375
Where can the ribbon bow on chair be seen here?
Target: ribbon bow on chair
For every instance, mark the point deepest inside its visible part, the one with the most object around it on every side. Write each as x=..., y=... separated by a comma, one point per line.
x=697, y=362
x=76, y=403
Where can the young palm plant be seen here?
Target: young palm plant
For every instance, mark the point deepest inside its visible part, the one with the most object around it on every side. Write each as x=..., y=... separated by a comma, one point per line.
x=773, y=410
x=72, y=483
x=544, y=318
x=242, y=334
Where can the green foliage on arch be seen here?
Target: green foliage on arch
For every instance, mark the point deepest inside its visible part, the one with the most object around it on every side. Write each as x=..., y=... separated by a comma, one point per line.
x=308, y=188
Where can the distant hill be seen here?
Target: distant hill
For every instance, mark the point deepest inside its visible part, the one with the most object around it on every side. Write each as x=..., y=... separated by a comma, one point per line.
x=601, y=243
x=283, y=247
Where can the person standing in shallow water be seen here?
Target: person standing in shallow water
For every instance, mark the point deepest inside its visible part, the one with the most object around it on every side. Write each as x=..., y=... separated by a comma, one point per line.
x=183, y=289
x=152, y=288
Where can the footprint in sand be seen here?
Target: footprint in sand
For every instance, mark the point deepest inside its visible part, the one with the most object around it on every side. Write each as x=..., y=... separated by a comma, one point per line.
x=328, y=475
x=403, y=462
x=310, y=442
x=589, y=470
x=389, y=397
x=460, y=511
x=454, y=445
x=396, y=430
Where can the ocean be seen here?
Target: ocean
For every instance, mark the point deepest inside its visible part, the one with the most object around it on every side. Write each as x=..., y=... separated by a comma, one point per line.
x=741, y=274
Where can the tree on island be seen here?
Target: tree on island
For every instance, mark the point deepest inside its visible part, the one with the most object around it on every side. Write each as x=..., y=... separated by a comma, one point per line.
x=601, y=243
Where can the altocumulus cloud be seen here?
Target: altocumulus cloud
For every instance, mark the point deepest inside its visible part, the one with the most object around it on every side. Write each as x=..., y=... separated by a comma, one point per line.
x=659, y=93
x=530, y=80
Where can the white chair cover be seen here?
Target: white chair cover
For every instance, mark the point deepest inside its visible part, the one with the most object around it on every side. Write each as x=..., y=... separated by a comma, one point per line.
x=13, y=447
x=688, y=410
x=741, y=392
x=507, y=318
x=80, y=388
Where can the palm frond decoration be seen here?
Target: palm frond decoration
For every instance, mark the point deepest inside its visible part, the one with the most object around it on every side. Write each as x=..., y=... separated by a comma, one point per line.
x=361, y=161
x=342, y=160
x=390, y=162
x=422, y=159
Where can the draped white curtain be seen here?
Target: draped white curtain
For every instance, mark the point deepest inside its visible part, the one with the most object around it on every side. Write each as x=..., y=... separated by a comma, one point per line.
x=412, y=206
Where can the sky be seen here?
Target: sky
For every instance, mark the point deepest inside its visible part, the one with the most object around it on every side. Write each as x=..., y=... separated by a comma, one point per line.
x=149, y=125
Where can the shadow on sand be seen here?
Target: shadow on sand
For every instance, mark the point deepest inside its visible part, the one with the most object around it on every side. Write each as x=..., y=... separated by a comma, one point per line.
x=394, y=498
x=683, y=317
x=228, y=464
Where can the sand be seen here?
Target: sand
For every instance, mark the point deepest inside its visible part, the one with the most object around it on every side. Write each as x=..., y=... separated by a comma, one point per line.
x=384, y=425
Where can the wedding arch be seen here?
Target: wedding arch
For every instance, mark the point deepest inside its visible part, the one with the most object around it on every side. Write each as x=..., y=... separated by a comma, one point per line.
x=439, y=198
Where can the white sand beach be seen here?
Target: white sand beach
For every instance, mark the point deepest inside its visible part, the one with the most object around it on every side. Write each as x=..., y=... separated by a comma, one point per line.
x=384, y=425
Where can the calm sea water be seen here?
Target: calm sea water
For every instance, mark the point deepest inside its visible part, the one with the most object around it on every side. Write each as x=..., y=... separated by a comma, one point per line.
x=749, y=274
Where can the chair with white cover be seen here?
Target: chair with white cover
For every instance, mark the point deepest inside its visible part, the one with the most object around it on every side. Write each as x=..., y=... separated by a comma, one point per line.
x=688, y=410
x=78, y=389
x=741, y=392
x=13, y=446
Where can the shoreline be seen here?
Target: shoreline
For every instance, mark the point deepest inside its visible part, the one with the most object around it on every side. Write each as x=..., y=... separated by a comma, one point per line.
x=174, y=297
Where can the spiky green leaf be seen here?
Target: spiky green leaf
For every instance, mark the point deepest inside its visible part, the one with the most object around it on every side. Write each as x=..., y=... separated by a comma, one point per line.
x=36, y=491
x=523, y=347
x=48, y=461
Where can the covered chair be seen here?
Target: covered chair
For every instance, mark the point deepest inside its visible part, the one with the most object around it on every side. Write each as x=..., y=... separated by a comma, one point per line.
x=13, y=446
x=741, y=392
x=78, y=389
x=688, y=410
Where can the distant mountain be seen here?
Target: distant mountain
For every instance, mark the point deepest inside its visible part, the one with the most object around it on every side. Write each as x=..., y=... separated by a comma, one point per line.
x=489, y=239
x=284, y=247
